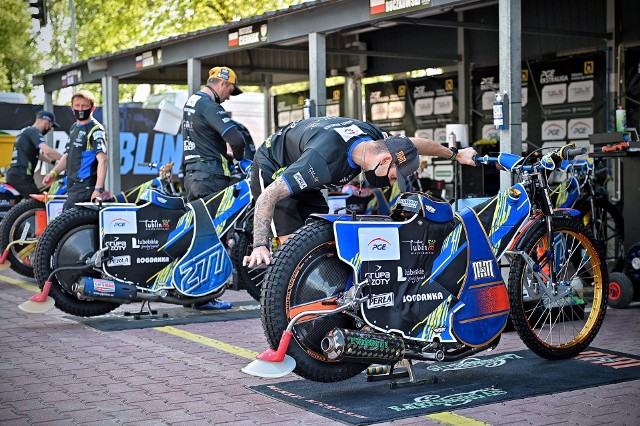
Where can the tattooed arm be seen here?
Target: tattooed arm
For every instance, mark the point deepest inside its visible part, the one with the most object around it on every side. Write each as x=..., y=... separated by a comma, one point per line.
x=263, y=215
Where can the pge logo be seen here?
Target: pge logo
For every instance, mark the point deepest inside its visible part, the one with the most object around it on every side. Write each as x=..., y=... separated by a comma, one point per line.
x=378, y=244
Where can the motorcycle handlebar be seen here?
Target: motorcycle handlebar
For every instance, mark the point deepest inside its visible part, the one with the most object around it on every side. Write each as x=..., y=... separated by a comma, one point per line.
x=147, y=164
x=571, y=153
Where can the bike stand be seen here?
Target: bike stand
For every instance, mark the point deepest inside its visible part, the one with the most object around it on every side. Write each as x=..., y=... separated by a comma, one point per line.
x=373, y=376
x=152, y=313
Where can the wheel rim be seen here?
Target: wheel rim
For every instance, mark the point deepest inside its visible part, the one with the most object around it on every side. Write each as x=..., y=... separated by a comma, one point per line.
x=23, y=228
x=319, y=278
x=614, y=290
x=566, y=318
x=73, y=249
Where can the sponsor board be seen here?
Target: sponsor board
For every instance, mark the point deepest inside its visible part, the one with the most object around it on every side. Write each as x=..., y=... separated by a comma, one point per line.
x=119, y=221
x=379, y=243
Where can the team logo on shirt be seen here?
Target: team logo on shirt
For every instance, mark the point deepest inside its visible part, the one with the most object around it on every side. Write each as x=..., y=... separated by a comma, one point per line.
x=300, y=180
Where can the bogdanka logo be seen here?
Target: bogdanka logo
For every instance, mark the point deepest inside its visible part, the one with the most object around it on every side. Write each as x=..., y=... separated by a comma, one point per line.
x=161, y=259
x=423, y=297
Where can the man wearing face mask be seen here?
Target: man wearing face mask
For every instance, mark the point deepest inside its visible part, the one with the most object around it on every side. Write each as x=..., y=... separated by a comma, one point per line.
x=28, y=147
x=85, y=157
x=292, y=165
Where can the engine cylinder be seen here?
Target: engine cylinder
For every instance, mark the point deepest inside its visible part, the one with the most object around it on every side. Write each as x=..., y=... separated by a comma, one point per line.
x=352, y=345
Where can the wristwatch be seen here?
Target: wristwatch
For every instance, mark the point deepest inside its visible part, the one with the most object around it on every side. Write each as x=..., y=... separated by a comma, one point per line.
x=454, y=153
x=99, y=189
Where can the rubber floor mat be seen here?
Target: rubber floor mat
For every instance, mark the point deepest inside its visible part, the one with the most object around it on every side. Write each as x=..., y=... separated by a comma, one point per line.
x=466, y=383
x=174, y=315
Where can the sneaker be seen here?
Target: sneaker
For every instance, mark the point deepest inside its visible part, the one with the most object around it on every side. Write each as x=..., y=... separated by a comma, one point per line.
x=212, y=305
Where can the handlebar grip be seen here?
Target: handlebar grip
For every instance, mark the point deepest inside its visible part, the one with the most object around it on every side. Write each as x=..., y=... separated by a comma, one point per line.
x=574, y=152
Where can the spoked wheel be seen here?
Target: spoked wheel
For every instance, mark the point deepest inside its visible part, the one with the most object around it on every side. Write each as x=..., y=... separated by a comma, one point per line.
x=558, y=319
x=308, y=275
x=607, y=225
x=69, y=240
x=20, y=224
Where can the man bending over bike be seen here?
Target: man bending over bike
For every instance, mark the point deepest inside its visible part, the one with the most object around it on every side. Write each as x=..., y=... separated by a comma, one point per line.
x=292, y=165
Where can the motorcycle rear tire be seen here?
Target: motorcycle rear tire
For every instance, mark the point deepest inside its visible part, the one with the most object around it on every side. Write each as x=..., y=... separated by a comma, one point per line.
x=12, y=227
x=307, y=269
x=562, y=328
x=69, y=240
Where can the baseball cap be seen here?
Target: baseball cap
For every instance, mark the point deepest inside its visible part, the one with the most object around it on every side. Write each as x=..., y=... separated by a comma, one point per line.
x=48, y=115
x=404, y=154
x=228, y=74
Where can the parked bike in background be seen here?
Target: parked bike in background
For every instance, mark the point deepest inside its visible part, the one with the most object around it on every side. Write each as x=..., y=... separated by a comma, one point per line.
x=25, y=222
x=585, y=190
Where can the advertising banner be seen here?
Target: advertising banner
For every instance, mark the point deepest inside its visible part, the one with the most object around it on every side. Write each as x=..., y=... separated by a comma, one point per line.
x=385, y=105
x=138, y=142
x=432, y=103
x=288, y=107
x=632, y=86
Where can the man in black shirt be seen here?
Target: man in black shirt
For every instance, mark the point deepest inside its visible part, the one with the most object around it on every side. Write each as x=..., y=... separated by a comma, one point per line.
x=85, y=157
x=293, y=164
x=28, y=147
x=208, y=131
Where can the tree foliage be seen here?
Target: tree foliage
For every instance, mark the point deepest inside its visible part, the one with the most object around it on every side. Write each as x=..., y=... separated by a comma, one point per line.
x=19, y=57
x=109, y=26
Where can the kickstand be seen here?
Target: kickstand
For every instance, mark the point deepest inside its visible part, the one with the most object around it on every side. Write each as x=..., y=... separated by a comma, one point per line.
x=406, y=363
x=150, y=312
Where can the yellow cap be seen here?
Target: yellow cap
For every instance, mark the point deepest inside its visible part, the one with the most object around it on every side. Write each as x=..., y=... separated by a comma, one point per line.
x=226, y=73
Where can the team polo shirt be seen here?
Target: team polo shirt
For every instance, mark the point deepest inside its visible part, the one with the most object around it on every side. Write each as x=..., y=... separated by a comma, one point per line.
x=85, y=142
x=315, y=152
x=25, y=150
x=204, y=124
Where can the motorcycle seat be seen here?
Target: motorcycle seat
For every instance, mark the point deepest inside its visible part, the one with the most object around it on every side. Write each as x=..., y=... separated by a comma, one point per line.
x=163, y=200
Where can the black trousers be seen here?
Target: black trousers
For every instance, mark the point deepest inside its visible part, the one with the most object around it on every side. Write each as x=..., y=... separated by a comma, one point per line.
x=23, y=183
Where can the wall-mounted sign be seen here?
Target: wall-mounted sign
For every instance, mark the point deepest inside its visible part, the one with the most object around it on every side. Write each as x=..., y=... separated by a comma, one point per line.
x=71, y=77
x=149, y=59
x=380, y=8
x=248, y=35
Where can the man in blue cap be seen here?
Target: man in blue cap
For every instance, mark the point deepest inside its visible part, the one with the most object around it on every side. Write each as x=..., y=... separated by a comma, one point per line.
x=28, y=148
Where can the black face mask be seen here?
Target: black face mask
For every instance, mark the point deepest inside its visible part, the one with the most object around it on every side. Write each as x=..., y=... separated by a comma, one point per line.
x=378, y=181
x=46, y=131
x=82, y=114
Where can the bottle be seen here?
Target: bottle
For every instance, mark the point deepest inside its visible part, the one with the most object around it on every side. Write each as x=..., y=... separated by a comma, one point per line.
x=621, y=119
x=451, y=139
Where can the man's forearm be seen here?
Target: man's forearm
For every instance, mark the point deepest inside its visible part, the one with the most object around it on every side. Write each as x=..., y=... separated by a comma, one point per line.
x=101, y=172
x=431, y=148
x=265, y=206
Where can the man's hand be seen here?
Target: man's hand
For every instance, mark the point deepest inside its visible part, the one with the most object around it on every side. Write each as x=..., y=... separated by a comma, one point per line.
x=465, y=156
x=258, y=256
x=48, y=179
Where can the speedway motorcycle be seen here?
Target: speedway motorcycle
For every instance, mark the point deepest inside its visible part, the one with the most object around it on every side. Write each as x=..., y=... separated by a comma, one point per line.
x=95, y=257
x=23, y=224
x=26, y=221
x=424, y=284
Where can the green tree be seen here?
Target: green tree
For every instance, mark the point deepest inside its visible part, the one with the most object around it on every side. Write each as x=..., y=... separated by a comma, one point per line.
x=19, y=57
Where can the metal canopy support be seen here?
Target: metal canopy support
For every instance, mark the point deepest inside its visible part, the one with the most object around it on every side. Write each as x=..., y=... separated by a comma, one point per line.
x=510, y=70
x=318, y=71
x=464, y=76
x=194, y=75
x=268, y=111
x=111, y=112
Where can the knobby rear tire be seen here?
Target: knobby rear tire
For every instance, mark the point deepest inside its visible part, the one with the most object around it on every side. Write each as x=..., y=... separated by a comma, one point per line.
x=310, y=252
x=11, y=229
x=54, y=249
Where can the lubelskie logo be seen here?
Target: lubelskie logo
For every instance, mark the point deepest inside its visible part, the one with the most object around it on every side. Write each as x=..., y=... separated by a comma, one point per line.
x=378, y=244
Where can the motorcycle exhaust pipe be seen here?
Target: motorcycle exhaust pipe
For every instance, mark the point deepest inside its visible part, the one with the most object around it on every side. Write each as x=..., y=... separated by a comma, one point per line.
x=352, y=345
x=98, y=288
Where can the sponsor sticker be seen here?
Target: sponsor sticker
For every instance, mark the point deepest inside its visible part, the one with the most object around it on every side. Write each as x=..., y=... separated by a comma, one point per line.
x=161, y=259
x=156, y=224
x=379, y=243
x=380, y=300
x=482, y=269
x=300, y=180
x=119, y=221
x=378, y=277
x=145, y=244
x=347, y=133
x=120, y=261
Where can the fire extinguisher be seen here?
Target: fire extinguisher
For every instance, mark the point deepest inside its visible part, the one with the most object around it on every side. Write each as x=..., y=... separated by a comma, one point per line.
x=500, y=113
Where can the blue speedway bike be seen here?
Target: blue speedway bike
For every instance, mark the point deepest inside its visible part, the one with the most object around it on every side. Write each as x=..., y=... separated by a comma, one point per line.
x=95, y=257
x=424, y=283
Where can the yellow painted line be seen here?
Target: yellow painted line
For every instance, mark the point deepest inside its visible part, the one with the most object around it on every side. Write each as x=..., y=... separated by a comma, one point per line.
x=448, y=418
x=21, y=284
x=225, y=347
